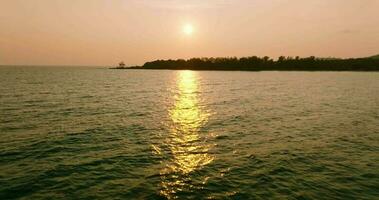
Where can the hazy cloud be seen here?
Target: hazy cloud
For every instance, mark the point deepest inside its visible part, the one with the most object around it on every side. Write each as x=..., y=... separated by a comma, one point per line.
x=182, y=4
x=349, y=31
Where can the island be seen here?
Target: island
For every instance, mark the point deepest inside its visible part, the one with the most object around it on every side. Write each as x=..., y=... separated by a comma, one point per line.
x=255, y=63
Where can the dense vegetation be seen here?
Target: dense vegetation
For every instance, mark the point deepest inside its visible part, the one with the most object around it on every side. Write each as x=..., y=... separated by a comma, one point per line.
x=255, y=63
x=375, y=57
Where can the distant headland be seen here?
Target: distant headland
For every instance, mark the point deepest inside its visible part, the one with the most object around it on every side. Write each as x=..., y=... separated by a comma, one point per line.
x=254, y=63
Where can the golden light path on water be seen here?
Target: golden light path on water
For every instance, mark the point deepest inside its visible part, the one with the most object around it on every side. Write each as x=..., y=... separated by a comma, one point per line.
x=188, y=150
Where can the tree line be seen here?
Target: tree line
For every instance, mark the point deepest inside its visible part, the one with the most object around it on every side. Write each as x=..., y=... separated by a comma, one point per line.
x=255, y=63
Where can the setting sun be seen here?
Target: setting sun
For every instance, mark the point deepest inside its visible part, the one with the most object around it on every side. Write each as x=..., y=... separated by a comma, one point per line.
x=188, y=29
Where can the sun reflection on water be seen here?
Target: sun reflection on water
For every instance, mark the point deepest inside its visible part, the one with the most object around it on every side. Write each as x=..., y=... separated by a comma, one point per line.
x=188, y=150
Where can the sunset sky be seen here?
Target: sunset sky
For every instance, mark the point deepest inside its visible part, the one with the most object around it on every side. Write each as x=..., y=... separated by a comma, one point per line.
x=104, y=32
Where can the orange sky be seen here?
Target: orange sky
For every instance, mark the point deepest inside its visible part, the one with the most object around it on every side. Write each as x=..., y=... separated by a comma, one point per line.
x=104, y=32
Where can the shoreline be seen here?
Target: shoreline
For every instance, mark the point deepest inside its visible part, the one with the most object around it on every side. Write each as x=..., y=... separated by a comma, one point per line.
x=248, y=70
x=254, y=63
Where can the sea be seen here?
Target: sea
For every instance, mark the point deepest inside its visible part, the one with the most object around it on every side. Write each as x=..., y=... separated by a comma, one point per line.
x=98, y=133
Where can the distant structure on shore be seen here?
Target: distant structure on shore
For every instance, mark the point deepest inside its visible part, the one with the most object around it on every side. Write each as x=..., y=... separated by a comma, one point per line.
x=121, y=65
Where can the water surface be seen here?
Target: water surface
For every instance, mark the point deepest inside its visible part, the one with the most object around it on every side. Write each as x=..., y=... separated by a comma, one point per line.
x=70, y=133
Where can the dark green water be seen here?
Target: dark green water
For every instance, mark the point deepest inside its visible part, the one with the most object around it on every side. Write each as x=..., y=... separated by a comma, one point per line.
x=86, y=133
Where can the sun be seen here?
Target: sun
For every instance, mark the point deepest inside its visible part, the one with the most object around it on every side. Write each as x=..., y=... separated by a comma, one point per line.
x=188, y=29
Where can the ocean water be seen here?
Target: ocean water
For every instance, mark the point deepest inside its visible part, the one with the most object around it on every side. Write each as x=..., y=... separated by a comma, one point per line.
x=95, y=133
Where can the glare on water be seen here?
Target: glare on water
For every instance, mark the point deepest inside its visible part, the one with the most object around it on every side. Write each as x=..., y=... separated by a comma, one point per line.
x=188, y=152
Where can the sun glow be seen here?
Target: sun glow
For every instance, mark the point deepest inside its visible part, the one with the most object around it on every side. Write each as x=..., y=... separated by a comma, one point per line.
x=188, y=29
